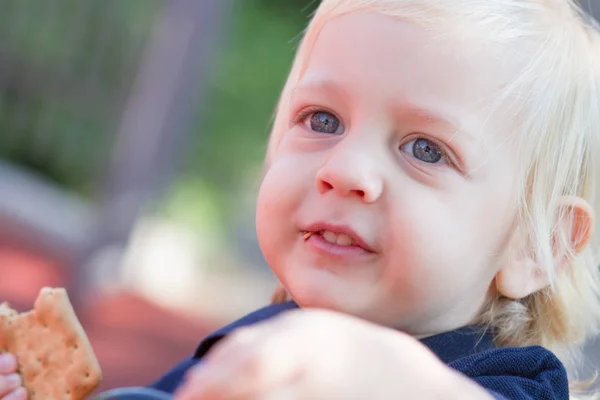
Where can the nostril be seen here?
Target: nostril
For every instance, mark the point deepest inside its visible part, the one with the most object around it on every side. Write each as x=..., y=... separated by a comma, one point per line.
x=325, y=186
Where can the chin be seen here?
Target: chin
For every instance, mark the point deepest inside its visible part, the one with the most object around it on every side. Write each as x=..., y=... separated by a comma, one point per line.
x=366, y=308
x=327, y=300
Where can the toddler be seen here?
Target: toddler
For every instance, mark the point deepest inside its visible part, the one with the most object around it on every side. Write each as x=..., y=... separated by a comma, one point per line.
x=428, y=207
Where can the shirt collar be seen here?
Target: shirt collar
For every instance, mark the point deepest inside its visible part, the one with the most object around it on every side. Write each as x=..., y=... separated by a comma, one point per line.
x=452, y=345
x=448, y=346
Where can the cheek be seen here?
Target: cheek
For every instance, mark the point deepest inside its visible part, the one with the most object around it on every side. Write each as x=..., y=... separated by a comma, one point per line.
x=284, y=183
x=282, y=190
x=426, y=251
x=269, y=209
x=441, y=240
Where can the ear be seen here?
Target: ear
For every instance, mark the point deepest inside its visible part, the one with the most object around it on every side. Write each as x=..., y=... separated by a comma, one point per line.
x=520, y=277
x=577, y=224
x=523, y=275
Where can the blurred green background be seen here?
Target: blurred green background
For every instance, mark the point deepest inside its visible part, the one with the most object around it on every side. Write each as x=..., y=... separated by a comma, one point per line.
x=68, y=65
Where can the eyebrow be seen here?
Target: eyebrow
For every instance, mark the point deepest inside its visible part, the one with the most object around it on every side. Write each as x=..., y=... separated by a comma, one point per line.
x=450, y=128
x=324, y=85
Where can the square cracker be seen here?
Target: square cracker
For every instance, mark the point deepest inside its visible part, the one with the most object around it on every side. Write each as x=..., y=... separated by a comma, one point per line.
x=53, y=352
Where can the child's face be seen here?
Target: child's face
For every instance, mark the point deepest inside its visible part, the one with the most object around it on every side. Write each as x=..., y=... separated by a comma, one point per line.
x=387, y=144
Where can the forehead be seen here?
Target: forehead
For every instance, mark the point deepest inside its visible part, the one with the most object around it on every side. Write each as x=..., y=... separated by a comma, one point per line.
x=381, y=58
x=367, y=38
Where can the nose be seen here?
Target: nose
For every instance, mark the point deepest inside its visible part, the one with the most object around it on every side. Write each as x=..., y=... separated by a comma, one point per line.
x=351, y=171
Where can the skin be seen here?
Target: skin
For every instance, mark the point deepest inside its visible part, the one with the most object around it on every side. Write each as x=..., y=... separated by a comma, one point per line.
x=10, y=382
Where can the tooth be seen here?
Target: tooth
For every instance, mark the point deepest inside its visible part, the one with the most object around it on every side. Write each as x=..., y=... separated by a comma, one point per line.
x=329, y=236
x=344, y=240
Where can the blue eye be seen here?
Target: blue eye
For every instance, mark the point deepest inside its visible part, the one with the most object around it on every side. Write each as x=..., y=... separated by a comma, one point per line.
x=325, y=122
x=424, y=150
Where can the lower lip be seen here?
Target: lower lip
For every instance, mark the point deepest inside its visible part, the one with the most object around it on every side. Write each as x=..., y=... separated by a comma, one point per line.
x=318, y=244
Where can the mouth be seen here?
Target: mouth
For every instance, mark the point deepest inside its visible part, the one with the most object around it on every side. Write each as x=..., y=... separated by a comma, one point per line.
x=338, y=235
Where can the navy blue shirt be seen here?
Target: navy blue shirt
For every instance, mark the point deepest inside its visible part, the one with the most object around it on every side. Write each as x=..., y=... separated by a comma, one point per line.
x=507, y=373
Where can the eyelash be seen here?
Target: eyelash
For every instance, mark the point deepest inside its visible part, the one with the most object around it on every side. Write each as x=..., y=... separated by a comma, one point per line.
x=305, y=112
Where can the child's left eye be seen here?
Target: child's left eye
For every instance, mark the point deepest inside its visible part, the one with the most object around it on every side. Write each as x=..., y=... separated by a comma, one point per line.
x=425, y=150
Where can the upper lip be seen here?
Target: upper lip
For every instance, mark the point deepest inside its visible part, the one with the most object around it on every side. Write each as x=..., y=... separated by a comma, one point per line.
x=341, y=229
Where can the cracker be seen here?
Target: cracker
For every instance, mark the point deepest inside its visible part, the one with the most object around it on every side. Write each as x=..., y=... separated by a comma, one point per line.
x=55, y=357
x=6, y=316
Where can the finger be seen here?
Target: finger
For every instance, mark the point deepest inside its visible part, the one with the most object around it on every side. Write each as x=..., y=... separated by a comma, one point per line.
x=196, y=387
x=8, y=383
x=228, y=352
x=291, y=391
x=247, y=363
x=236, y=343
x=248, y=337
x=18, y=394
x=8, y=364
x=254, y=372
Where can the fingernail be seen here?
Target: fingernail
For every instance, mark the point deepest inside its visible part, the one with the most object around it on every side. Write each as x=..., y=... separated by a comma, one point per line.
x=14, y=380
x=6, y=360
x=18, y=394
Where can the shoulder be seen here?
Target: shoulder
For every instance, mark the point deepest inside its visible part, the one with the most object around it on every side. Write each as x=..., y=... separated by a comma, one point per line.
x=517, y=373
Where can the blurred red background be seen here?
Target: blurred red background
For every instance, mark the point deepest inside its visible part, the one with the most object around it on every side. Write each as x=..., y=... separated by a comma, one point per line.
x=135, y=339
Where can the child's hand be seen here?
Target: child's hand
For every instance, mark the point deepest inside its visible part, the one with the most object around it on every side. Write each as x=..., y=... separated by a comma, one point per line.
x=10, y=382
x=323, y=355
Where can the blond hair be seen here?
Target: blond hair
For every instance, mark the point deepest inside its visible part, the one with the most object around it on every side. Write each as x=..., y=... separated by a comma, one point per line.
x=555, y=100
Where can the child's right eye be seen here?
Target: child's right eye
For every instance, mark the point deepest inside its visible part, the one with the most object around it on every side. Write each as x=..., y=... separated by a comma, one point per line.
x=321, y=121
